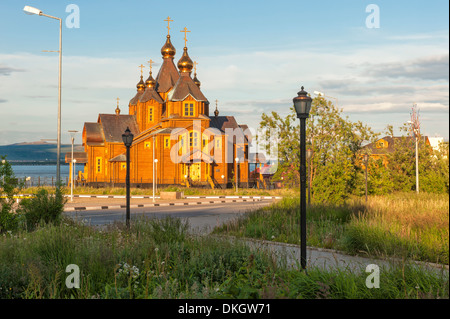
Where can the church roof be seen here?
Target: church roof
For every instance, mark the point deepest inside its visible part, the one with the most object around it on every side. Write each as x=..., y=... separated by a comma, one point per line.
x=167, y=76
x=150, y=94
x=94, y=134
x=227, y=122
x=114, y=125
x=184, y=87
x=135, y=99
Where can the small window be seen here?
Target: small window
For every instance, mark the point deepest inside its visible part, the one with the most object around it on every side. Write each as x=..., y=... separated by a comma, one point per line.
x=123, y=166
x=150, y=114
x=147, y=145
x=166, y=142
x=188, y=109
x=98, y=161
x=218, y=143
x=193, y=139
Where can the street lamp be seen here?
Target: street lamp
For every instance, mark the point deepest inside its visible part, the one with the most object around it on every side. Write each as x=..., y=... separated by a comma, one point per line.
x=416, y=135
x=237, y=175
x=30, y=10
x=127, y=138
x=302, y=105
x=153, y=184
x=156, y=163
x=321, y=94
x=309, y=153
x=366, y=161
x=72, y=137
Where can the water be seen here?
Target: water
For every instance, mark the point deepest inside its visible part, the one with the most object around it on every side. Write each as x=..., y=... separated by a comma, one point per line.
x=43, y=174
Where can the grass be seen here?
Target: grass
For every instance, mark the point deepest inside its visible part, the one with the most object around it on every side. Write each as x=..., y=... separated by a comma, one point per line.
x=187, y=191
x=160, y=259
x=414, y=226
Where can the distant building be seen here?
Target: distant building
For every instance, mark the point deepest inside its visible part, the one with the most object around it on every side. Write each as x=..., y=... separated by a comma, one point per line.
x=386, y=145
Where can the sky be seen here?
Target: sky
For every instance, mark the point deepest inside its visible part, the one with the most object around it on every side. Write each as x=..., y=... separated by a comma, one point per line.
x=374, y=59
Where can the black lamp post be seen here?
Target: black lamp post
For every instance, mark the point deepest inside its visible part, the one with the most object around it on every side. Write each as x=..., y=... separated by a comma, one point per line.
x=366, y=161
x=309, y=153
x=302, y=105
x=128, y=140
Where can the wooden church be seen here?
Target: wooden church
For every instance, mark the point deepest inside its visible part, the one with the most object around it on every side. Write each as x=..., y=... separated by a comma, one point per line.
x=176, y=139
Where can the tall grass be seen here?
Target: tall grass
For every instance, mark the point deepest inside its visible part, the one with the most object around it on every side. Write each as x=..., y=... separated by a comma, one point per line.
x=159, y=259
x=405, y=225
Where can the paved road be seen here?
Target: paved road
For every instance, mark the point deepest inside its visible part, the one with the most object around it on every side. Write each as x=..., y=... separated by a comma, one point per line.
x=202, y=218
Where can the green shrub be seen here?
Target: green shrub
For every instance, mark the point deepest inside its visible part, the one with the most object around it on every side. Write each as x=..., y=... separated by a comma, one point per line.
x=43, y=207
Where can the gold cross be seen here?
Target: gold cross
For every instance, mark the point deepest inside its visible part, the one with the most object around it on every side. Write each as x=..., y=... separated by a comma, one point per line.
x=168, y=24
x=195, y=67
x=117, y=102
x=142, y=67
x=150, y=62
x=185, y=30
x=216, y=103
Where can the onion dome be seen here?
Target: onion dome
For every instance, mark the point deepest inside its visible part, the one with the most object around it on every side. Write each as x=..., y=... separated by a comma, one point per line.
x=168, y=50
x=196, y=81
x=141, y=85
x=150, y=82
x=185, y=64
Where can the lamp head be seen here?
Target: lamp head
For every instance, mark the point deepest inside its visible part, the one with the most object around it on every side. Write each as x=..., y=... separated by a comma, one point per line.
x=31, y=10
x=302, y=104
x=127, y=137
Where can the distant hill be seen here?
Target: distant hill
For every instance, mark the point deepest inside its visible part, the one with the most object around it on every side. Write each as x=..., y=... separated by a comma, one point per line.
x=36, y=152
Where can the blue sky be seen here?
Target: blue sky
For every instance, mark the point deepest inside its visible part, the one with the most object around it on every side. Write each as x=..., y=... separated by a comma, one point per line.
x=252, y=56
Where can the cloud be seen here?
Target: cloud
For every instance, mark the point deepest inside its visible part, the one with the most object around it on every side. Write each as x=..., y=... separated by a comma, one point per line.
x=6, y=70
x=3, y=101
x=426, y=68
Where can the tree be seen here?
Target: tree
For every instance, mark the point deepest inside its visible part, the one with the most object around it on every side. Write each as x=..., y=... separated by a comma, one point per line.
x=9, y=185
x=335, y=142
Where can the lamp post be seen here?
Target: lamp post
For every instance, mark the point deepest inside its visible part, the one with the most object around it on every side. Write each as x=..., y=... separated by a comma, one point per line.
x=72, y=138
x=153, y=184
x=309, y=153
x=156, y=174
x=415, y=130
x=302, y=105
x=127, y=138
x=366, y=161
x=237, y=175
x=31, y=10
x=321, y=94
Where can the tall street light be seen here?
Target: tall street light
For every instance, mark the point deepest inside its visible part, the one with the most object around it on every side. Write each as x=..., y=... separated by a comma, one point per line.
x=31, y=10
x=415, y=130
x=366, y=161
x=309, y=153
x=128, y=140
x=321, y=94
x=237, y=173
x=72, y=170
x=302, y=105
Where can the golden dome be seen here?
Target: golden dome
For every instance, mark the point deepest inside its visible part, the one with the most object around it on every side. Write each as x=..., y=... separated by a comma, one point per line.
x=150, y=82
x=168, y=50
x=141, y=85
x=185, y=64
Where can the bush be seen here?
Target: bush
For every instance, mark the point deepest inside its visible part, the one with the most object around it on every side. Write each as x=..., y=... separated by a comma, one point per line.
x=9, y=186
x=43, y=207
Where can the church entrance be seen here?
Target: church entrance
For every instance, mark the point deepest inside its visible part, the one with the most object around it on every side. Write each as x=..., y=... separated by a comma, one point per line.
x=195, y=172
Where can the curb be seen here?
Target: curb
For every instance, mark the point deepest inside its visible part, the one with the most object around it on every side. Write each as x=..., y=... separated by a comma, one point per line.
x=78, y=208
x=150, y=196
